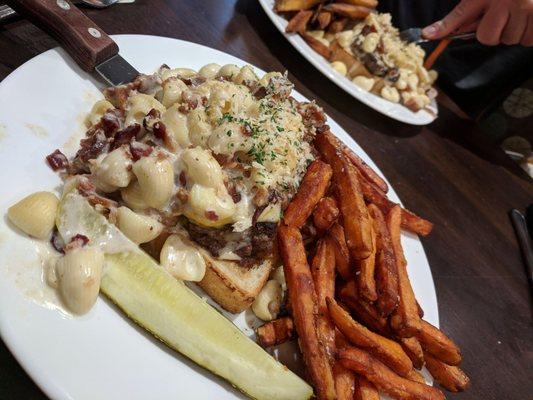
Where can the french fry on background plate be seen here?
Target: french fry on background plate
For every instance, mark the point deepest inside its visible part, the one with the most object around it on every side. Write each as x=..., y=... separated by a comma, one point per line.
x=325, y=214
x=348, y=10
x=386, y=273
x=324, y=18
x=312, y=189
x=294, y=5
x=276, y=332
x=405, y=321
x=298, y=23
x=355, y=217
x=436, y=343
x=365, y=390
x=342, y=255
x=386, y=350
x=386, y=380
x=323, y=272
x=316, y=45
x=303, y=299
x=364, y=3
x=450, y=377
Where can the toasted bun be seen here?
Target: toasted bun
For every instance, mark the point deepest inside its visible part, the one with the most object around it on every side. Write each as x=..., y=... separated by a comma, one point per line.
x=228, y=283
x=231, y=285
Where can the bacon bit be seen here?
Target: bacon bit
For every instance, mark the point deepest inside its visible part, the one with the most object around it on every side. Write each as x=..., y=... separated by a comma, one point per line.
x=183, y=179
x=368, y=29
x=160, y=131
x=57, y=242
x=77, y=242
x=57, y=160
x=147, y=83
x=151, y=119
x=182, y=195
x=312, y=115
x=191, y=102
x=118, y=95
x=204, y=100
x=125, y=136
x=93, y=146
x=211, y=215
x=257, y=213
x=246, y=130
x=261, y=197
x=183, y=109
x=232, y=190
x=194, y=81
x=139, y=150
x=111, y=121
x=85, y=186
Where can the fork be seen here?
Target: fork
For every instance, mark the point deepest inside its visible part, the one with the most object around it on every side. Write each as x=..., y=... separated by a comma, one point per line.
x=414, y=35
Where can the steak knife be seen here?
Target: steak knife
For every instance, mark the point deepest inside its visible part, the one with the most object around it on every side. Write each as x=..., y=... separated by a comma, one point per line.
x=91, y=48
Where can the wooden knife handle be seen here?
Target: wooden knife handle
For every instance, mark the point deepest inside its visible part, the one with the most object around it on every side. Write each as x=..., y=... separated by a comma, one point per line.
x=78, y=35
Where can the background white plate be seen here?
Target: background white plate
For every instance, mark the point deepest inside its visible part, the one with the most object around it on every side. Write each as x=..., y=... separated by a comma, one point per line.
x=393, y=110
x=101, y=355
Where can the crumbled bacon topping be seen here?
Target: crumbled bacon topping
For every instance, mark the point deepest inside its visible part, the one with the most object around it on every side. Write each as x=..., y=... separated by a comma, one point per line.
x=139, y=150
x=211, y=215
x=125, y=136
x=57, y=160
x=93, y=146
x=77, y=242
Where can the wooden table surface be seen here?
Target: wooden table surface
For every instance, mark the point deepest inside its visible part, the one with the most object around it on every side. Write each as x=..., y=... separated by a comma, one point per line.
x=446, y=172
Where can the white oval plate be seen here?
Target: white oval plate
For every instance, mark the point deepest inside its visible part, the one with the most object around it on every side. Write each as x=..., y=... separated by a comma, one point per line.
x=101, y=355
x=392, y=110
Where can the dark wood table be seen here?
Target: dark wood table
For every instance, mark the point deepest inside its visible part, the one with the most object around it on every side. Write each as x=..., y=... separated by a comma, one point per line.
x=447, y=172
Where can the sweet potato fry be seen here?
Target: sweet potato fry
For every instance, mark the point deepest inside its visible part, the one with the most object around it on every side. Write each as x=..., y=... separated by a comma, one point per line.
x=413, y=349
x=405, y=320
x=323, y=19
x=304, y=308
x=420, y=310
x=357, y=222
x=316, y=45
x=386, y=350
x=365, y=390
x=312, y=189
x=415, y=376
x=298, y=23
x=365, y=278
x=325, y=214
x=294, y=5
x=410, y=221
x=450, y=377
x=385, y=379
x=348, y=10
x=364, y=311
x=364, y=3
x=338, y=25
x=276, y=332
x=342, y=256
x=440, y=346
x=386, y=273
x=344, y=382
x=368, y=173
x=323, y=271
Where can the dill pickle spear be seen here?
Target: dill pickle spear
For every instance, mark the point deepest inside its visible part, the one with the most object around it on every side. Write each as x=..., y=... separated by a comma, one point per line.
x=173, y=313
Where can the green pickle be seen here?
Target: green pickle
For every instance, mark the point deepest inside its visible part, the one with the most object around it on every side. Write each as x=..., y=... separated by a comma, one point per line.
x=174, y=314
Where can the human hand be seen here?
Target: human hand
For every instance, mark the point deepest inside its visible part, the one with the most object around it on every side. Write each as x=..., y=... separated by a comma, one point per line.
x=495, y=21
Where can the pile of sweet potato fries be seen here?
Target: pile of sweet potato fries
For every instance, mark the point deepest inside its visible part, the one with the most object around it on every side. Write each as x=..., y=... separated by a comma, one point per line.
x=359, y=326
x=331, y=16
